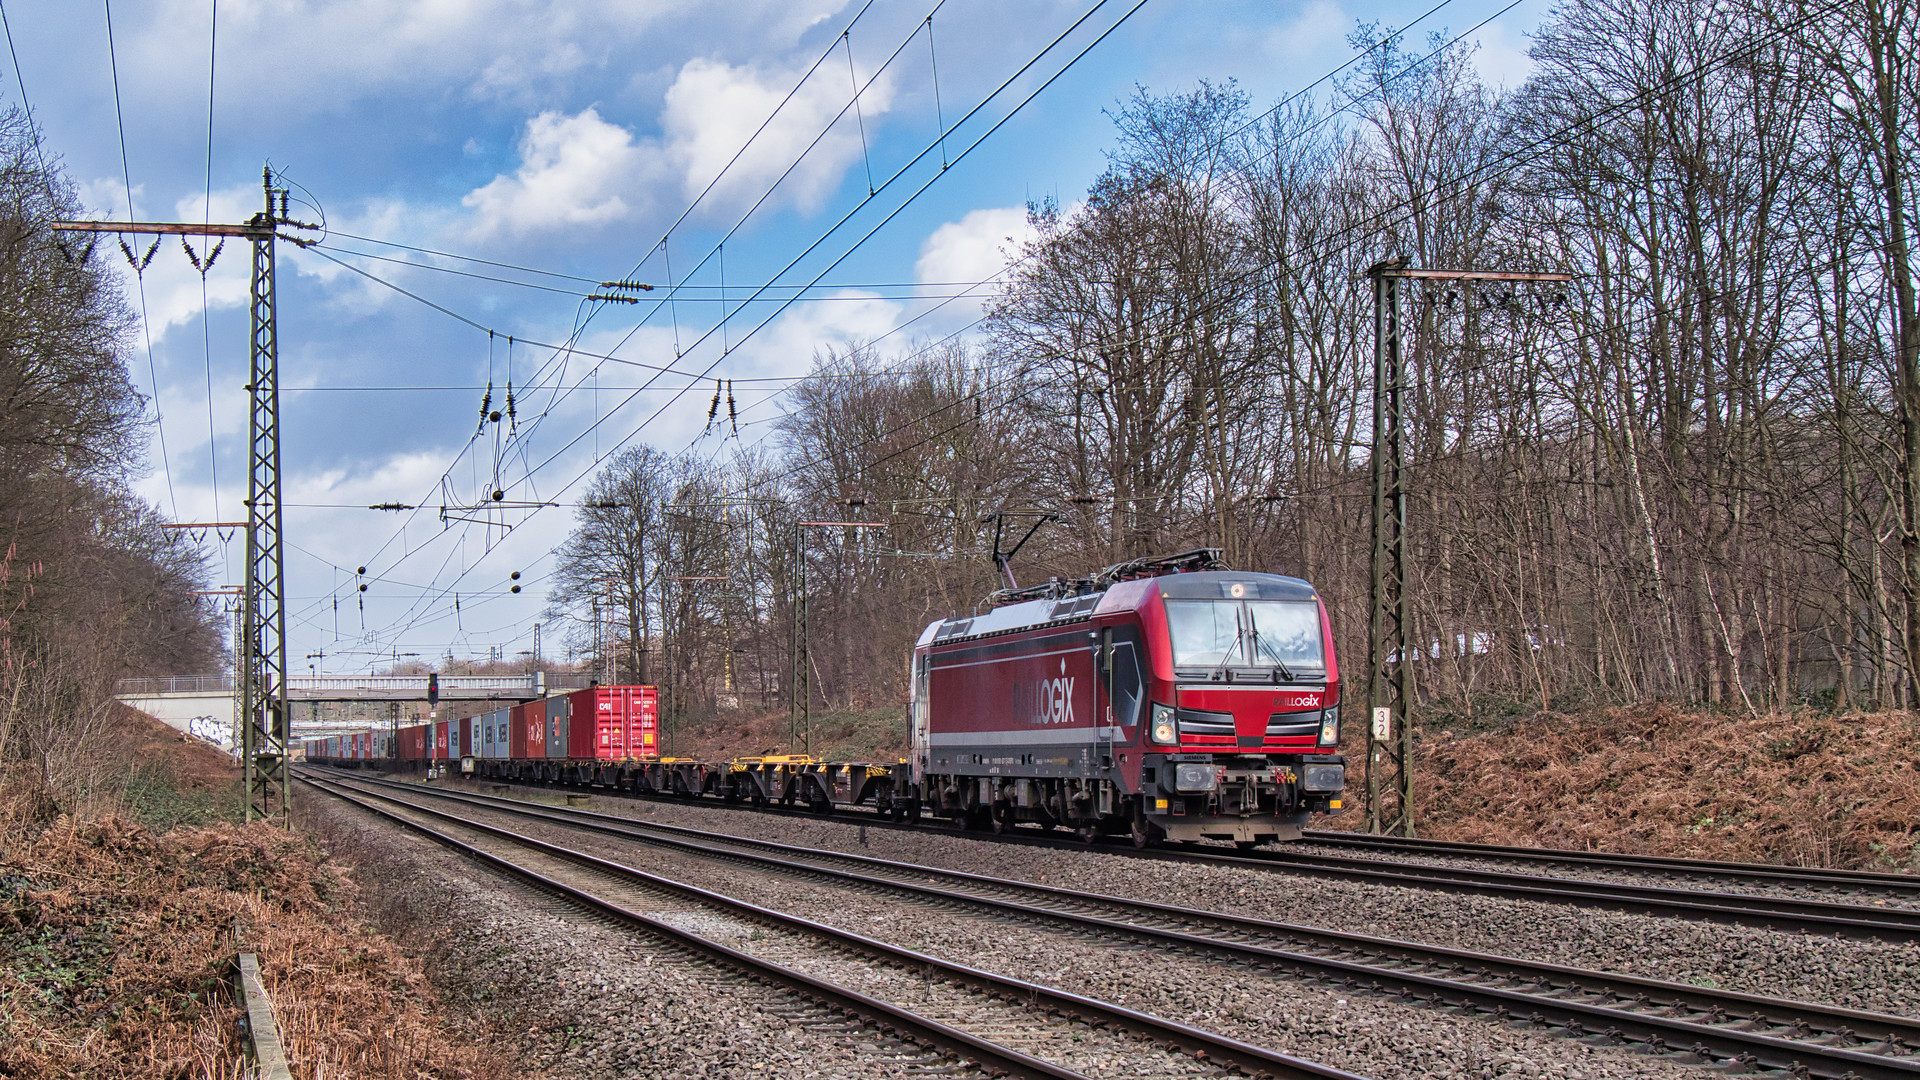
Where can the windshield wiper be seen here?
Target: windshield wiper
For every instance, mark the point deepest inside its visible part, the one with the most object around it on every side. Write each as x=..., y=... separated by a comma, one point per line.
x=1226, y=655
x=1260, y=644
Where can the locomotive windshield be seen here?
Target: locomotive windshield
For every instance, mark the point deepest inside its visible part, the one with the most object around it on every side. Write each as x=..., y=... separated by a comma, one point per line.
x=1246, y=633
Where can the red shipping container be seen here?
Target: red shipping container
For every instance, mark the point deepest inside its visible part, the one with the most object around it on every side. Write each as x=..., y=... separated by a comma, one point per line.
x=528, y=735
x=644, y=740
x=618, y=722
x=413, y=743
x=462, y=739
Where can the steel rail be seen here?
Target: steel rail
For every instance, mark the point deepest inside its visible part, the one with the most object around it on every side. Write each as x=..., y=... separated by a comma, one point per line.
x=991, y=1056
x=1763, y=873
x=1892, y=923
x=1205, y=1045
x=1581, y=1017
x=1870, y=923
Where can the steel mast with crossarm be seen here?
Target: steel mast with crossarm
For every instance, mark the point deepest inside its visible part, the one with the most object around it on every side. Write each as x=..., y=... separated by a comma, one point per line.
x=261, y=652
x=1390, y=694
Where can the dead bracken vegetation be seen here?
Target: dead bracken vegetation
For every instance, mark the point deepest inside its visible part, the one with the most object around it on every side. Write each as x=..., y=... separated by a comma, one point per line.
x=117, y=942
x=1802, y=790
x=871, y=735
x=118, y=948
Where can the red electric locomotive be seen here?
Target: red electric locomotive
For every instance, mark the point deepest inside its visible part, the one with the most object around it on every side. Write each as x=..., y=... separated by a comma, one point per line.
x=1162, y=697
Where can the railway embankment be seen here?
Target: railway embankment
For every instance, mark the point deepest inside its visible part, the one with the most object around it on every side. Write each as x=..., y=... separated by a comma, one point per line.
x=1803, y=790
x=121, y=917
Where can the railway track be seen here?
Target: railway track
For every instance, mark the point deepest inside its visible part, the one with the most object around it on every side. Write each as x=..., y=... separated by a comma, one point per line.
x=1864, y=921
x=1904, y=886
x=998, y=1024
x=1700, y=1024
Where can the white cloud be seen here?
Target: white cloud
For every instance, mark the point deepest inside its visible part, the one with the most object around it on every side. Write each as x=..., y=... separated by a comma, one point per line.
x=1317, y=32
x=107, y=197
x=974, y=248
x=713, y=108
x=574, y=171
x=1500, y=59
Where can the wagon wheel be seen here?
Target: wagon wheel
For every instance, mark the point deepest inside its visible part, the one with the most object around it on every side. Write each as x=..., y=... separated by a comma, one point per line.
x=1087, y=834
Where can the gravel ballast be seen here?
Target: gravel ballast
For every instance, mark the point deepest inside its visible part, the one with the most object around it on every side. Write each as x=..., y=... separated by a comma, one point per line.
x=1364, y=1033
x=586, y=1000
x=1839, y=893
x=1881, y=977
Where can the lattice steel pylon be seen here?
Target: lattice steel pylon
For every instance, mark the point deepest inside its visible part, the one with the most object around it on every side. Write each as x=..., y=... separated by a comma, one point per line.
x=261, y=646
x=1389, y=677
x=1390, y=689
x=263, y=672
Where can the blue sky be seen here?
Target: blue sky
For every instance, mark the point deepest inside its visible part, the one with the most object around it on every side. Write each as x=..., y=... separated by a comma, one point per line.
x=569, y=137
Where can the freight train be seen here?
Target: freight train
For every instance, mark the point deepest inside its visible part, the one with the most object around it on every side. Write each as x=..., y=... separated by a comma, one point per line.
x=1161, y=698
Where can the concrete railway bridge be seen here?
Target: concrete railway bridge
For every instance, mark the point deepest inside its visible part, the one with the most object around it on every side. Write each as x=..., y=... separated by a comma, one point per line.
x=203, y=705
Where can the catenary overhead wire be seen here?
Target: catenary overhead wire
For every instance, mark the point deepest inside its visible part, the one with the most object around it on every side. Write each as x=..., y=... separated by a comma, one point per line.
x=1016, y=110
x=126, y=176
x=847, y=294
x=828, y=234
x=663, y=244
x=830, y=231
x=206, y=330
x=825, y=54
x=1377, y=44
x=1531, y=150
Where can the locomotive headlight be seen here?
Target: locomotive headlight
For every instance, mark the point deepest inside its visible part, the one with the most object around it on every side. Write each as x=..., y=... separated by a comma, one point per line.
x=1193, y=777
x=1163, y=730
x=1330, y=727
x=1323, y=777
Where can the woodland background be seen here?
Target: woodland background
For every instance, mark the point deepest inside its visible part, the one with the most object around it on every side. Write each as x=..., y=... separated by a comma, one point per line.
x=1692, y=475
x=91, y=587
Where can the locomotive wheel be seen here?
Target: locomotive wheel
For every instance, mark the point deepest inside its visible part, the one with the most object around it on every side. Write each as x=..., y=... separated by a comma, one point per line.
x=1087, y=834
x=1143, y=833
x=1002, y=816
